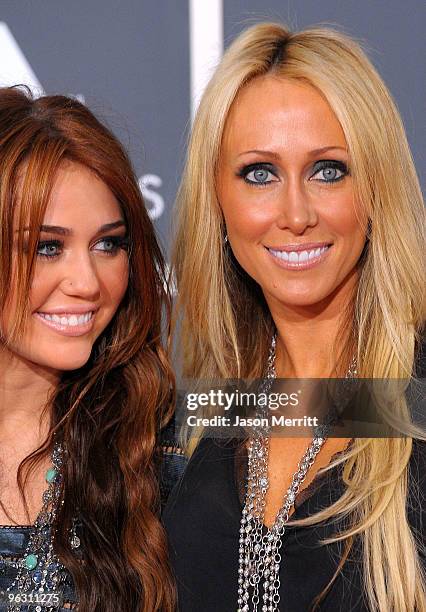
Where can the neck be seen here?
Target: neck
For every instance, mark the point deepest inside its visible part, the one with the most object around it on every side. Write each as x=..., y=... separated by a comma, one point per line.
x=306, y=336
x=25, y=389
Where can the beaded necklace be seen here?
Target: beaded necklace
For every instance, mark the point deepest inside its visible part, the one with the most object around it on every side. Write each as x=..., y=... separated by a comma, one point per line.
x=40, y=574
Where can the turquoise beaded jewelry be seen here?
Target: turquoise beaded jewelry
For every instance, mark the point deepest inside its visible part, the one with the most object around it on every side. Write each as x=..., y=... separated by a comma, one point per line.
x=40, y=571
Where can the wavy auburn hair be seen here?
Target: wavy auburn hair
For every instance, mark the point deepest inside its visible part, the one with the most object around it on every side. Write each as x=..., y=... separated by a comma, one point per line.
x=109, y=411
x=227, y=327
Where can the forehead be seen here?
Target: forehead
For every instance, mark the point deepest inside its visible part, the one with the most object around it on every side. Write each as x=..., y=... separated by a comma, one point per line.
x=272, y=111
x=79, y=196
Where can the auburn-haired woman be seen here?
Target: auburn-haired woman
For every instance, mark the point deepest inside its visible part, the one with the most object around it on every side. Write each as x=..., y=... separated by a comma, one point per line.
x=300, y=254
x=84, y=380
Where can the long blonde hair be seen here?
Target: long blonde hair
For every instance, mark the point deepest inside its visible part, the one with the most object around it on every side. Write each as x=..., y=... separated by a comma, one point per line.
x=226, y=325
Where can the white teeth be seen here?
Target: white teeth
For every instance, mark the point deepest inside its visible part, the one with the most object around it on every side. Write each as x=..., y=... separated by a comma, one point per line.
x=299, y=257
x=281, y=255
x=68, y=320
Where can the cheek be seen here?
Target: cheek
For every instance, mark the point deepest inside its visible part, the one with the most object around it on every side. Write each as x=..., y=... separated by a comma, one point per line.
x=115, y=278
x=248, y=223
x=44, y=283
x=246, y=217
x=347, y=221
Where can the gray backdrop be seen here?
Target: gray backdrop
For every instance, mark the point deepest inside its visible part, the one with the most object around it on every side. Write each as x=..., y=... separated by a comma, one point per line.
x=129, y=60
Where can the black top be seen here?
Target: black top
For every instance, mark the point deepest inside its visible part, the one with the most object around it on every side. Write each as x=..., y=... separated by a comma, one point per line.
x=202, y=518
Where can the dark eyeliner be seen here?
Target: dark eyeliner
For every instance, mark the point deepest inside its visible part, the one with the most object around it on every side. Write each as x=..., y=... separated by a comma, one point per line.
x=331, y=163
x=246, y=169
x=44, y=243
x=119, y=242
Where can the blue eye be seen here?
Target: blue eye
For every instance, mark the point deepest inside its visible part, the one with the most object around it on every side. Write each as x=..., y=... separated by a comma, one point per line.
x=49, y=249
x=332, y=171
x=111, y=244
x=258, y=174
x=108, y=245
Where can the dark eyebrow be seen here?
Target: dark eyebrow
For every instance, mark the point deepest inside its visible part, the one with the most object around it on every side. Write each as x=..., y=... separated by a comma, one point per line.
x=274, y=155
x=54, y=229
x=64, y=231
x=111, y=226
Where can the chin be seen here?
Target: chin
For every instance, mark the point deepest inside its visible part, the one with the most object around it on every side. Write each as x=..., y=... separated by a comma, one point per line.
x=72, y=360
x=70, y=365
x=301, y=299
x=299, y=303
x=63, y=361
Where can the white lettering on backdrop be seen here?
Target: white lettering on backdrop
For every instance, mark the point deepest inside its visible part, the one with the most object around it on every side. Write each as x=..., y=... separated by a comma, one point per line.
x=206, y=45
x=153, y=200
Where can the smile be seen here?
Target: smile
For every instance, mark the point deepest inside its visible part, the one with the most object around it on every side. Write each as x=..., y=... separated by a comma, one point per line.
x=299, y=260
x=71, y=320
x=68, y=324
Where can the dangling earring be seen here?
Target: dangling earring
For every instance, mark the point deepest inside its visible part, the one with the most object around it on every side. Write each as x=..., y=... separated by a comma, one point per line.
x=225, y=239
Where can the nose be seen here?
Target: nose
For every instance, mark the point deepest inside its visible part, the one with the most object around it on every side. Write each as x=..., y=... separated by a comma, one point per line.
x=81, y=278
x=296, y=208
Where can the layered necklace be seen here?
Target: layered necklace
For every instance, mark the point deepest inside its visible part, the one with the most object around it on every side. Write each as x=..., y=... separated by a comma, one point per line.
x=40, y=574
x=259, y=547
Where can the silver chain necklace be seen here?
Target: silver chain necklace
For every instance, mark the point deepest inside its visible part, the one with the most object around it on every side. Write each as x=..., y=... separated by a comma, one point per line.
x=259, y=547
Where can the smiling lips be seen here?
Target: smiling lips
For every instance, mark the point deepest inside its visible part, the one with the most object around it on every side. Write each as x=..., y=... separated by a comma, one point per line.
x=68, y=324
x=67, y=320
x=296, y=257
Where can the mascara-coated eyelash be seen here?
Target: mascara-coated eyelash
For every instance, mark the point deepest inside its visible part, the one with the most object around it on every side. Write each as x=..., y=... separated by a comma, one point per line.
x=261, y=173
x=118, y=242
x=53, y=248
x=333, y=165
x=46, y=245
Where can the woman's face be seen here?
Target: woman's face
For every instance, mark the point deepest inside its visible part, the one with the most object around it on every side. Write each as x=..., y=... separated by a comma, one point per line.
x=286, y=193
x=81, y=273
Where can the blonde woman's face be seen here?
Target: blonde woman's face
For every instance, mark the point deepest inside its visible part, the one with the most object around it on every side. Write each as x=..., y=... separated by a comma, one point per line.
x=80, y=277
x=286, y=192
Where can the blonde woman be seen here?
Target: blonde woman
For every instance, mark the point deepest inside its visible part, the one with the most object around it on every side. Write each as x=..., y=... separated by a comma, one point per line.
x=300, y=253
